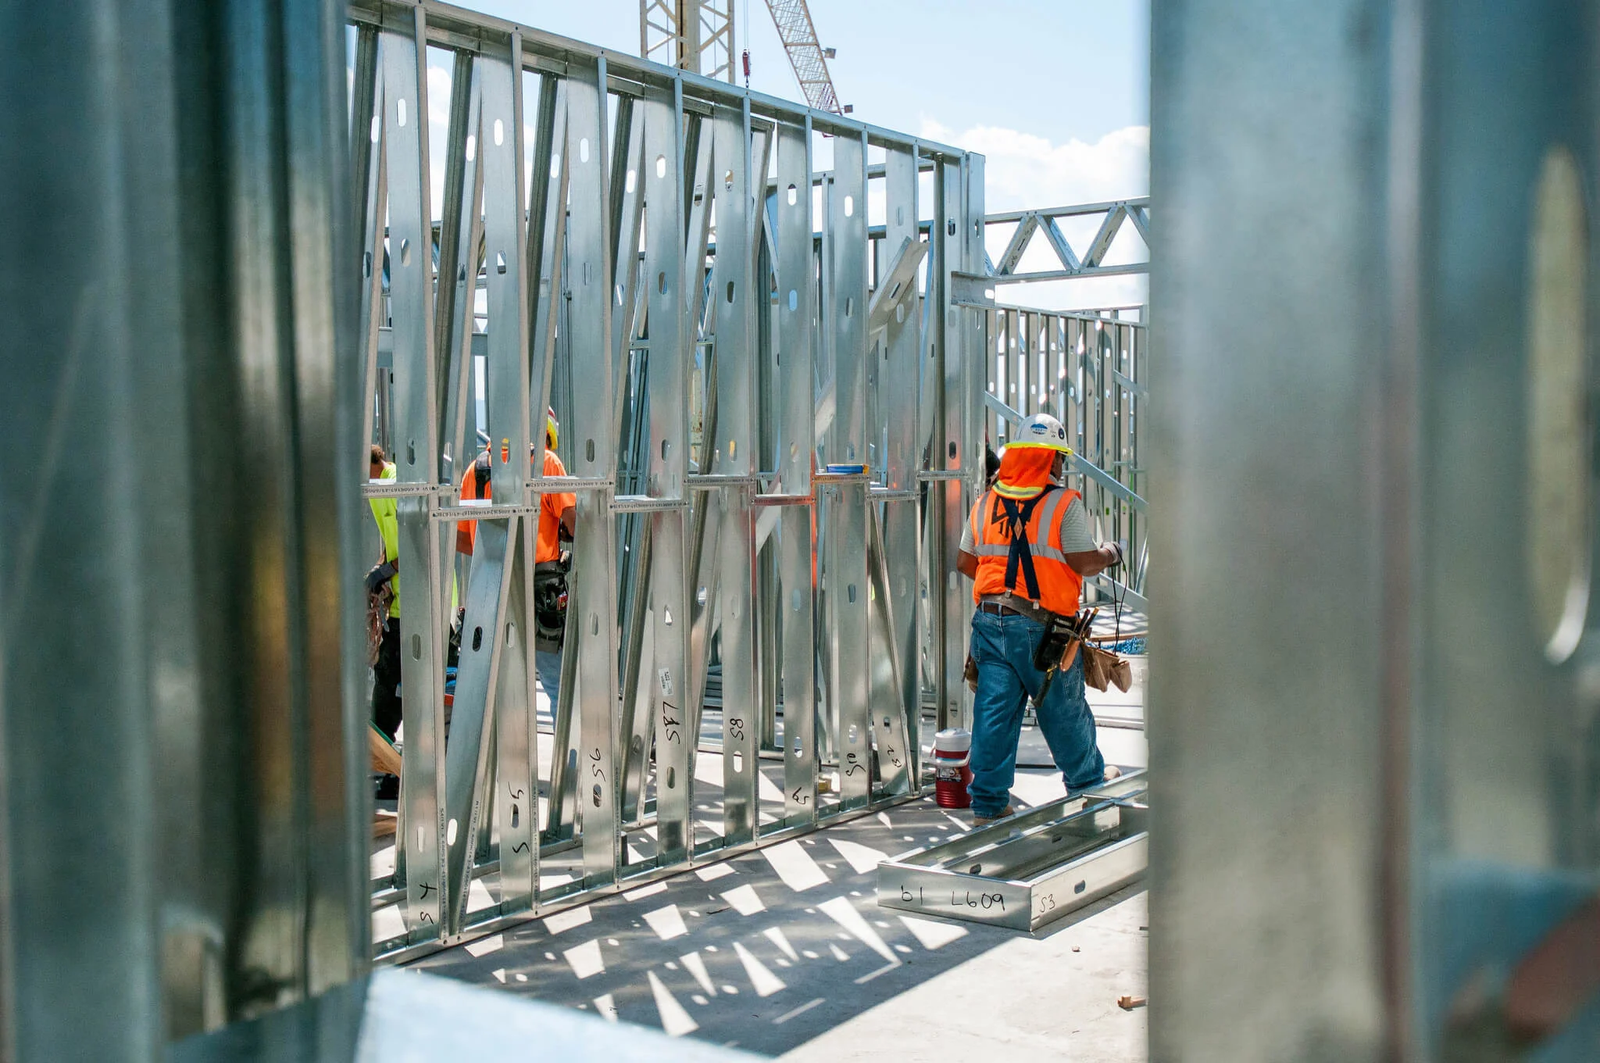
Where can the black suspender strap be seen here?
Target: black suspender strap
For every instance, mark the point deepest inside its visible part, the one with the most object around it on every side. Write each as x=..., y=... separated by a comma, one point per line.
x=1021, y=552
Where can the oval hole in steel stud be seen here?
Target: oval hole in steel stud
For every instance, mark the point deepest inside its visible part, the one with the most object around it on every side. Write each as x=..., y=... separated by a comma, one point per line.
x=661, y=282
x=631, y=182
x=730, y=291
x=1557, y=396
x=405, y=252
x=583, y=150
x=850, y=592
x=619, y=294
x=794, y=196
x=798, y=747
x=594, y=623
x=950, y=227
x=500, y=262
x=849, y=206
x=666, y=448
x=416, y=647
x=794, y=300
x=854, y=733
x=422, y=836
x=588, y=450
x=727, y=180
x=555, y=166
x=661, y=166
x=666, y=616
x=400, y=109
x=672, y=778
x=377, y=124
x=450, y=833
x=472, y=147
x=511, y=634
x=516, y=815
x=738, y=763
x=899, y=215
x=794, y=599
x=597, y=795
x=499, y=132
x=477, y=638
x=411, y=452
x=849, y=305
x=366, y=264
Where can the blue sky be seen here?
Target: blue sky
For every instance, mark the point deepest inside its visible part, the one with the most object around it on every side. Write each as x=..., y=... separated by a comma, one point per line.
x=1056, y=69
x=1055, y=93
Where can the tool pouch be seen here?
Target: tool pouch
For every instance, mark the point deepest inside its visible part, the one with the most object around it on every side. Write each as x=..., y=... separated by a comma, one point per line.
x=377, y=618
x=1102, y=668
x=971, y=674
x=1056, y=643
x=550, y=605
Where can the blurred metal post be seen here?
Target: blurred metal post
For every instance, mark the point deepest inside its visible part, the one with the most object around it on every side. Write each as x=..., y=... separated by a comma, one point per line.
x=1373, y=437
x=178, y=716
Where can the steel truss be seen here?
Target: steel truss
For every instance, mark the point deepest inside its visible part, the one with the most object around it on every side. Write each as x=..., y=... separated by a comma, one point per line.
x=1045, y=223
x=720, y=355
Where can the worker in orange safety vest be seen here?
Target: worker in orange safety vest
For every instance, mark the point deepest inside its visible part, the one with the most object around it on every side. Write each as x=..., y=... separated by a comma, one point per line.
x=1027, y=549
x=557, y=518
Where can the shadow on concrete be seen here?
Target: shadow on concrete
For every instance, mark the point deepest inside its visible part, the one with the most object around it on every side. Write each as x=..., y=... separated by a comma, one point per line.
x=763, y=952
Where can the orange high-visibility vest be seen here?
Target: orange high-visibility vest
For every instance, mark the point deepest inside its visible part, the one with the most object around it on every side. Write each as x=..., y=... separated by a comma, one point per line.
x=1060, y=588
x=475, y=484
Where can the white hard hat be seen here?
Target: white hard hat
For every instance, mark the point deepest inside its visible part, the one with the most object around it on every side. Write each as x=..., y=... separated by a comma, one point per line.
x=1042, y=430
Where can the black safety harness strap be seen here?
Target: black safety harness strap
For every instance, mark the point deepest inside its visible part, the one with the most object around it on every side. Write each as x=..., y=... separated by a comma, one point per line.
x=1020, y=555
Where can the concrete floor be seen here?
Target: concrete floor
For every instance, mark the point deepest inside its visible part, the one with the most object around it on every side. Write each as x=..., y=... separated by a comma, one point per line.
x=784, y=952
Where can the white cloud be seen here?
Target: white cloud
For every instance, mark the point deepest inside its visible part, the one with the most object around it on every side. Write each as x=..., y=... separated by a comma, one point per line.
x=1022, y=170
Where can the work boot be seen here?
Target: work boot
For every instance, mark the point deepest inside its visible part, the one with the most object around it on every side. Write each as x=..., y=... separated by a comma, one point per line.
x=1113, y=772
x=984, y=821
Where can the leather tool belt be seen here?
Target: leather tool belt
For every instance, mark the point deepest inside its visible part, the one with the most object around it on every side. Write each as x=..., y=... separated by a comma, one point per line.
x=1015, y=604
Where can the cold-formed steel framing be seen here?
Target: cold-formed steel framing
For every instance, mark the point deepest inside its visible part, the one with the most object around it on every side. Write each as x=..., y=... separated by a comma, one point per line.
x=770, y=474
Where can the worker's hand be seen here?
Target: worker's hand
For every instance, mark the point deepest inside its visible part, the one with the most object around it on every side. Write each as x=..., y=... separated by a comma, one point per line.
x=1120, y=550
x=380, y=575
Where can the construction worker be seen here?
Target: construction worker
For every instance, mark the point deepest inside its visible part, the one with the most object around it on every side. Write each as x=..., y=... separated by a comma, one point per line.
x=386, y=575
x=557, y=517
x=1027, y=549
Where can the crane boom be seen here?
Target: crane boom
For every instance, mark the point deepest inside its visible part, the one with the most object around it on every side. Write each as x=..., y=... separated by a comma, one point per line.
x=799, y=36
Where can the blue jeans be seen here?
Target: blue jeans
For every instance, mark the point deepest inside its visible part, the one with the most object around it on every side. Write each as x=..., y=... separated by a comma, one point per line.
x=549, y=665
x=1003, y=648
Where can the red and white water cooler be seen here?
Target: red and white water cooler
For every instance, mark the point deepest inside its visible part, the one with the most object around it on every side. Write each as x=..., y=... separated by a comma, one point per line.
x=951, y=775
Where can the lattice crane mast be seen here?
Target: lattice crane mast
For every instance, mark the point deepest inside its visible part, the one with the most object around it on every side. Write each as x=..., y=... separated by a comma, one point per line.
x=809, y=59
x=698, y=35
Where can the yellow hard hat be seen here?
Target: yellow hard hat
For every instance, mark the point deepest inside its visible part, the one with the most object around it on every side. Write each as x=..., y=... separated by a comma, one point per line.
x=552, y=429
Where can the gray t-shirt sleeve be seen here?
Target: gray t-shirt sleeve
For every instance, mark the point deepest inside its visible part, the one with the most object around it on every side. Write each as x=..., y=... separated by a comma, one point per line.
x=967, y=542
x=1075, y=537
